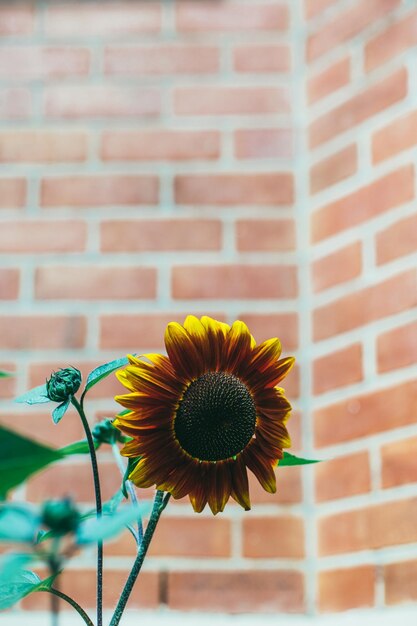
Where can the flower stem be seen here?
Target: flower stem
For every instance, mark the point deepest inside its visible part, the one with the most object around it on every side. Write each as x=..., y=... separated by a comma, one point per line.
x=129, y=487
x=59, y=594
x=80, y=408
x=159, y=505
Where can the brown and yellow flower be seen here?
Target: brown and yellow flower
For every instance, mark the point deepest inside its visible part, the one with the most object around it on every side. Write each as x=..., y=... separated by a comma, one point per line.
x=202, y=415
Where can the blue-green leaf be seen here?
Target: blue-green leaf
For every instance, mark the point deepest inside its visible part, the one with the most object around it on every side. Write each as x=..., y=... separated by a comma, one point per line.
x=59, y=412
x=102, y=371
x=18, y=523
x=93, y=530
x=37, y=395
x=78, y=447
x=16, y=583
x=291, y=459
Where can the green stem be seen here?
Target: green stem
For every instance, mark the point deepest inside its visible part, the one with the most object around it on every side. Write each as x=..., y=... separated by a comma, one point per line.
x=158, y=506
x=59, y=594
x=129, y=487
x=97, y=490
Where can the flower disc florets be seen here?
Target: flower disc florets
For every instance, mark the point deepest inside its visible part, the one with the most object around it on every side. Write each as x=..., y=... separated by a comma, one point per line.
x=63, y=384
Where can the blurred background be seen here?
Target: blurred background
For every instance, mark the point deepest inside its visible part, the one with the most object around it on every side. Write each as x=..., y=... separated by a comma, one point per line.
x=250, y=159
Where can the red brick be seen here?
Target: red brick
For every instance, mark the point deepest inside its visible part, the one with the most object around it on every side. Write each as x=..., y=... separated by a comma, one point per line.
x=39, y=425
x=137, y=332
x=315, y=7
x=338, y=369
x=400, y=135
x=329, y=80
x=264, y=143
x=35, y=62
x=97, y=20
x=43, y=146
x=100, y=101
x=291, y=384
x=343, y=477
x=289, y=486
x=206, y=16
x=42, y=332
x=160, y=145
x=9, y=283
x=391, y=42
x=394, y=295
x=333, y=169
x=234, y=282
x=383, y=194
x=265, y=235
x=95, y=283
x=235, y=189
x=399, y=463
x=262, y=58
x=348, y=588
x=400, y=582
x=269, y=591
x=397, y=348
x=397, y=240
x=12, y=193
x=337, y=267
x=206, y=100
x=16, y=19
x=99, y=190
x=266, y=325
x=295, y=427
x=29, y=236
x=366, y=414
x=256, y=529
x=7, y=386
x=164, y=59
x=15, y=103
x=192, y=537
x=160, y=235
x=347, y=24
x=361, y=107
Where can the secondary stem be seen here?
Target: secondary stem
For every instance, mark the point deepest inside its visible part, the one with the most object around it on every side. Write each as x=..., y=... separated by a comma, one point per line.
x=59, y=594
x=158, y=506
x=97, y=490
x=129, y=486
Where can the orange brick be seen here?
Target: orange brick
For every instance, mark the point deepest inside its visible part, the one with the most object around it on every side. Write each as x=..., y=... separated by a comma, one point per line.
x=345, y=589
x=43, y=146
x=234, y=189
x=160, y=145
x=365, y=415
x=205, y=16
x=361, y=107
x=42, y=332
x=205, y=100
x=257, y=529
x=234, y=281
x=265, y=235
x=9, y=284
x=291, y=384
x=315, y=7
x=160, y=235
x=399, y=463
x=262, y=58
x=391, y=42
x=35, y=62
x=334, y=169
x=192, y=537
x=343, y=477
x=39, y=425
x=346, y=25
x=338, y=369
x=337, y=267
x=399, y=135
x=7, y=386
x=400, y=582
x=100, y=190
x=161, y=59
x=16, y=19
x=266, y=325
x=12, y=193
x=264, y=143
x=97, y=20
x=29, y=236
x=397, y=348
x=269, y=591
x=329, y=80
x=15, y=103
x=385, y=193
x=95, y=283
x=397, y=240
x=367, y=305
x=100, y=101
x=289, y=486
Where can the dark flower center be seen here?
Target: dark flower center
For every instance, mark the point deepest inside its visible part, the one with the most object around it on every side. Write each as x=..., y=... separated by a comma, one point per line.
x=216, y=417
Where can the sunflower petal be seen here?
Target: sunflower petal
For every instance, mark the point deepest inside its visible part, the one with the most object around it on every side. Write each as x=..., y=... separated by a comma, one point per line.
x=219, y=486
x=183, y=354
x=240, y=483
x=216, y=335
x=261, y=467
x=238, y=346
x=198, y=334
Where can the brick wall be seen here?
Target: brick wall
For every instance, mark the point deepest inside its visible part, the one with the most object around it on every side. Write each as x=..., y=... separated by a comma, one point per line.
x=247, y=160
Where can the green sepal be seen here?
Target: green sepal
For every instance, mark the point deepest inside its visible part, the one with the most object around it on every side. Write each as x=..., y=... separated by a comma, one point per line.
x=59, y=412
x=102, y=371
x=291, y=459
x=37, y=395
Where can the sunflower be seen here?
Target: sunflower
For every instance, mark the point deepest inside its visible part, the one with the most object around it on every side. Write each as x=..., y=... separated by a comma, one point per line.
x=207, y=412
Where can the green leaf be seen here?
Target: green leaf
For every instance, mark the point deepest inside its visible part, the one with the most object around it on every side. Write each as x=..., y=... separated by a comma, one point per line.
x=17, y=523
x=93, y=530
x=21, y=457
x=291, y=459
x=78, y=447
x=4, y=374
x=59, y=412
x=104, y=370
x=37, y=395
x=16, y=583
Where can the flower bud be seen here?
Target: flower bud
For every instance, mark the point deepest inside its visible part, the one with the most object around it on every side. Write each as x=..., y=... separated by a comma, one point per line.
x=61, y=516
x=63, y=384
x=105, y=432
